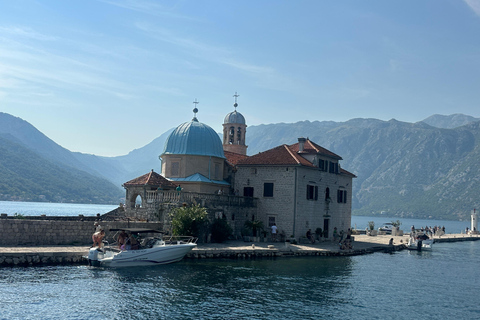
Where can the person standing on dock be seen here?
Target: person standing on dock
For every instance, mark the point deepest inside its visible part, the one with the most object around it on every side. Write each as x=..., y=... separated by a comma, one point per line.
x=274, y=232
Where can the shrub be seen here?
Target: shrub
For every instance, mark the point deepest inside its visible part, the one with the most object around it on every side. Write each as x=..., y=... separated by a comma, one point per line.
x=191, y=221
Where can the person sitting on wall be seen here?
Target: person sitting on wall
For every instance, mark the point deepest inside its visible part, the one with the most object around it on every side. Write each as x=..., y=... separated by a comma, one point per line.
x=97, y=226
x=97, y=238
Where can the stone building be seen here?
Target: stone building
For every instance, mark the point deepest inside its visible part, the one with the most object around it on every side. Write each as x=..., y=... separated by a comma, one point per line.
x=297, y=187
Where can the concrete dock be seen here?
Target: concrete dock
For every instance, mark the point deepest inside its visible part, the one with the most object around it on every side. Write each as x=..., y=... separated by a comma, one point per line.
x=363, y=244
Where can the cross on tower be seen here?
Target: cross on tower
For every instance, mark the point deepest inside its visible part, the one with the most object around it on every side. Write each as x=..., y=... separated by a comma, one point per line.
x=236, y=104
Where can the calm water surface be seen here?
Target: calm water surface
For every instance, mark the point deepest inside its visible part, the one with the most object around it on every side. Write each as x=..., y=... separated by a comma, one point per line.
x=74, y=209
x=53, y=209
x=404, y=285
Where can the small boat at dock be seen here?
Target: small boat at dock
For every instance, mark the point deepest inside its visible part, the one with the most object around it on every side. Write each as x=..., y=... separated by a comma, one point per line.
x=141, y=251
x=420, y=242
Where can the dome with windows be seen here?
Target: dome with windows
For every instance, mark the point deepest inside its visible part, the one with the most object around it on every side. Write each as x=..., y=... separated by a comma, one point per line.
x=194, y=138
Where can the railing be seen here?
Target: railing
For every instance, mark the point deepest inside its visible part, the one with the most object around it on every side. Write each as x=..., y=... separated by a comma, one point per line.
x=191, y=197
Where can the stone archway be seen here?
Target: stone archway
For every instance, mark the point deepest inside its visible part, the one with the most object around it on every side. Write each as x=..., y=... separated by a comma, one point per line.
x=134, y=198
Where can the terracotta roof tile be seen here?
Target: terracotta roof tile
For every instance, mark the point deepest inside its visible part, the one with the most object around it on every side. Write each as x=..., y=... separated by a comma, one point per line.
x=312, y=147
x=289, y=155
x=281, y=155
x=152, y=179
x=233, y=158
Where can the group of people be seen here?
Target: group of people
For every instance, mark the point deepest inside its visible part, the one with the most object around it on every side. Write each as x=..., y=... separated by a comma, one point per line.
x=345, y=239
x=125, y=241
x=468, y=231
x=431, y=231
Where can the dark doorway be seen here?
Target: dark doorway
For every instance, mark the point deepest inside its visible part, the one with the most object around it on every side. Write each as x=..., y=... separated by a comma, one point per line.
x=326, y=222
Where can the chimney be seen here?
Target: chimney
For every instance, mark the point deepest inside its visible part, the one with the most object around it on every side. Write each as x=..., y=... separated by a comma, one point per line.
x=301, y=144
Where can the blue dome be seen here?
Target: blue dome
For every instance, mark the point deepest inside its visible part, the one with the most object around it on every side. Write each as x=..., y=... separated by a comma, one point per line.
x=194, y=138
x=234, y=117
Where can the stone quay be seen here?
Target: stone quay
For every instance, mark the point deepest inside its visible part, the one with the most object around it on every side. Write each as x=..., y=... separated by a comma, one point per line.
x=362, y=244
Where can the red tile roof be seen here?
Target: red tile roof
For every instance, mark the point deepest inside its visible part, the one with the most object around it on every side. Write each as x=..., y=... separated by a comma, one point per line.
x=233, y=158
x=312, y=147
x=281, y=155
x=288, y=155
x=151, y=179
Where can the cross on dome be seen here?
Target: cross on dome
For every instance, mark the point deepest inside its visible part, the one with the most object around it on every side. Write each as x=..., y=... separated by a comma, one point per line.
x=195, y=110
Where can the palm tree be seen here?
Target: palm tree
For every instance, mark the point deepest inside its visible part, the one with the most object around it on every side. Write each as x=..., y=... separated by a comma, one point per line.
x=254, y=225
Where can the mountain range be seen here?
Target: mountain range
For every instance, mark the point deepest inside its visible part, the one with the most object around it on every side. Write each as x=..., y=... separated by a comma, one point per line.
x=427, y=169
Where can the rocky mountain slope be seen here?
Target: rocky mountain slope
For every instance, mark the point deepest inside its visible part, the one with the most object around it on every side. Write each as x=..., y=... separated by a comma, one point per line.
x=424, y=169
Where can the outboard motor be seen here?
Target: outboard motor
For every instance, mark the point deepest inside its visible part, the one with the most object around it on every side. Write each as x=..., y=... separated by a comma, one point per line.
x=419, y=245
x=94, y=256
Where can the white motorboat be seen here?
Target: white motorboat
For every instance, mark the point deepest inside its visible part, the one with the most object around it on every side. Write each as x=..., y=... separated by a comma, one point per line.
x=420, y=242
x=386, y=227
x=149, y=251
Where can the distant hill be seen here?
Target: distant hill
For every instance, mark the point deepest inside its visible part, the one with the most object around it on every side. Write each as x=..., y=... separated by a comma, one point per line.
x=27, y=176
x=427, y=169
x=403, y=169
x=34, y=168
x=449, y=122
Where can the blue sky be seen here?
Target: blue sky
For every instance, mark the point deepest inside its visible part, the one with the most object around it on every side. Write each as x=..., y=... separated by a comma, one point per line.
x=106, y=77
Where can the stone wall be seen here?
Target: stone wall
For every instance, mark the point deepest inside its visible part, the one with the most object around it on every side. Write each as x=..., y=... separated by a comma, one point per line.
x=26, y=232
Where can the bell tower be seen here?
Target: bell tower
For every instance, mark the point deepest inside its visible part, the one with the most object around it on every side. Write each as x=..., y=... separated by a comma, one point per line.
x=234, y=131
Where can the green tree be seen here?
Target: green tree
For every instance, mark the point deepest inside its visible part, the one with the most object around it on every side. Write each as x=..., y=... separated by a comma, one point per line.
x=191, y=221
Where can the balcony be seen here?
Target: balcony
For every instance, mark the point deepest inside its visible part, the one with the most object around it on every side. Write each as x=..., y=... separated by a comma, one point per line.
x=206, y=199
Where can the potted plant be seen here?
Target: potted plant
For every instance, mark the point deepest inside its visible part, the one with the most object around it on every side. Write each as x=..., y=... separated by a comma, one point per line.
x=396, y=228
x=254, y=225
x=319, y=233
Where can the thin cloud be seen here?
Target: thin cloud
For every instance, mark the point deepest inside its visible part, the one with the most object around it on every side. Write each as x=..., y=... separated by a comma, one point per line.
x=148, y=7
x=474, y=5
x=25, y=33
x=202, y=50
x=265, y=76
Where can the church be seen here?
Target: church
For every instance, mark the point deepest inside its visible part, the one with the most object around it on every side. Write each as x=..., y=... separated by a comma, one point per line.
x=297, y=187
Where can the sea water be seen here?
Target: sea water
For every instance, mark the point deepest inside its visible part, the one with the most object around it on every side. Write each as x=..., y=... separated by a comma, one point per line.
x=441, y=284
x=53, y=209
x=75, y=209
